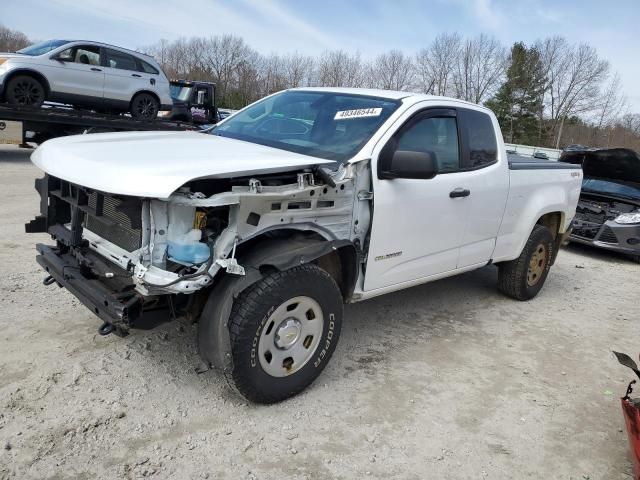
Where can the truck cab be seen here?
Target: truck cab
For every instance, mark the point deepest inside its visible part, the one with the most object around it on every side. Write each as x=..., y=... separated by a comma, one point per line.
x=193, y=102
x=308, y=199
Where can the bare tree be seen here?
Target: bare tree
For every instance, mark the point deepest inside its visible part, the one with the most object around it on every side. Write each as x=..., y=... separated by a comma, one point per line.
x=551, y=49
x=575, y=76
x=223, y=56
x=434, y=66
x=12, y=40
x=391, y=71
x=479, y=68
x=249, y=84
x=631, y=122
x=272, y=74
x=298, y=70
x=612, y=103
x=337, y=68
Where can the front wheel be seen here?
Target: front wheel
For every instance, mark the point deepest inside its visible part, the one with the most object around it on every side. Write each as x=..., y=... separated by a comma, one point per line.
x=524, y=277
x=144, y=106
x=283, y=330
x=26, y=91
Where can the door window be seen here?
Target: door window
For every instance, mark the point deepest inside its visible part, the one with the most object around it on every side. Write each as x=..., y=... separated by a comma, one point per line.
x=483, y=149
x=437, y=136
x=84, y=54
x=120, y=60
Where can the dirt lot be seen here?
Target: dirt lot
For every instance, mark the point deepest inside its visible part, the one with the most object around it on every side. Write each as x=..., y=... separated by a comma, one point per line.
x=447, y=380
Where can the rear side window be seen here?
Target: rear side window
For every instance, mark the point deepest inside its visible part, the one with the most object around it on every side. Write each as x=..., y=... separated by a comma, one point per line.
x=481, y=138
x=435, y=135
x=120, y=60
x=146, y=68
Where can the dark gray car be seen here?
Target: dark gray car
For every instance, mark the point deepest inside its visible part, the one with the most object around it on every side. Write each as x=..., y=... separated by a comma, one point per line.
x=608, y=213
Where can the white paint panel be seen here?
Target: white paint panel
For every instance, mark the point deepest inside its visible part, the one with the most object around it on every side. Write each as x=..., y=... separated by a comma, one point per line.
x=155, y=164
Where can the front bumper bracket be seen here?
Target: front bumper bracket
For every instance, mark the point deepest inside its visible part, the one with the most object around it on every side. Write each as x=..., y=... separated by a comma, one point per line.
x=119, y=308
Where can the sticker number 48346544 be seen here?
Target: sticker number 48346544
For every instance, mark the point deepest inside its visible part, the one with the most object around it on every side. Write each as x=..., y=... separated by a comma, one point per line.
x=357, y=113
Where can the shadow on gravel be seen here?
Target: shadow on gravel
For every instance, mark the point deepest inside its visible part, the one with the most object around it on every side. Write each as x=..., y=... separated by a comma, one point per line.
x=600, y=254
x=371, y=332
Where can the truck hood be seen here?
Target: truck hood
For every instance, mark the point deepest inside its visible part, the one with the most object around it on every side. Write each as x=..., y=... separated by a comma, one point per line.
x=155, y=164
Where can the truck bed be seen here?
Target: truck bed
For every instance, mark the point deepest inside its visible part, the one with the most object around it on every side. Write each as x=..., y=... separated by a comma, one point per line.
x=519, y=162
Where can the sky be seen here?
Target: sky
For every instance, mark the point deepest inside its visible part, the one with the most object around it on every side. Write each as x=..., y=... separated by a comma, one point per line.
x=367, y=26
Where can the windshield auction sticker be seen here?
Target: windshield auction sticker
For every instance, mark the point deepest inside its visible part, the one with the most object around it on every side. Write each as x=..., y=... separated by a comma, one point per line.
x=358, y=113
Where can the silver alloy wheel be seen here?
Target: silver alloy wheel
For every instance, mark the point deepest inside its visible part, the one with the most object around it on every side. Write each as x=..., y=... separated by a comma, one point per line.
x=290, y=336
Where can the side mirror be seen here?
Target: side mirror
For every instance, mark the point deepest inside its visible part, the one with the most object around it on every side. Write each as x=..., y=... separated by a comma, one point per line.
x=201, y=94
x=410, y=164
x=62, y=58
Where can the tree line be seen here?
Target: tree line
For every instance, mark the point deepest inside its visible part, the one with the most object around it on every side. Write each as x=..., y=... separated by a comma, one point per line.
x=550, y=93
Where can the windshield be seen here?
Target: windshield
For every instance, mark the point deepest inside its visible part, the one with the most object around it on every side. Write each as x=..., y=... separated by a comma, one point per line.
x=180, y=92
x=605, y=187
x=328, y=125
x=42, y=48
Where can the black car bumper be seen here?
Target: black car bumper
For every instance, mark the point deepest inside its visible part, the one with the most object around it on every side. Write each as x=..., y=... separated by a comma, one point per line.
x=113, y=299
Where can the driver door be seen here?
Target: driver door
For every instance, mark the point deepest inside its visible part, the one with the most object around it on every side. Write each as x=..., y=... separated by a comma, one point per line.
x=76, y=75
x=418, y=224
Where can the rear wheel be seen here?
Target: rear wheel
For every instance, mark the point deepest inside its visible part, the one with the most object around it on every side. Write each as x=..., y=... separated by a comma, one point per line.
x=283, y=330
x=144, y=106
x=26, y=91
x=524, y=277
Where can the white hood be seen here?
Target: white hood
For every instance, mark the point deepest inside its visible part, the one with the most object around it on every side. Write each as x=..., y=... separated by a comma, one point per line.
x=155, y=164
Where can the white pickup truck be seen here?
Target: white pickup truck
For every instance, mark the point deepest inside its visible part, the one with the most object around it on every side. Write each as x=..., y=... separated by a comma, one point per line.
x=307, y=199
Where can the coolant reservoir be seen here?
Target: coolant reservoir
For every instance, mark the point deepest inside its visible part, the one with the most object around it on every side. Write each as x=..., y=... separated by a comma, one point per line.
x=183, y=241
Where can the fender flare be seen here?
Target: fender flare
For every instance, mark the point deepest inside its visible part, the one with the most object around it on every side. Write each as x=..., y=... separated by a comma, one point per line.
x=214, y=344
x=29, y=71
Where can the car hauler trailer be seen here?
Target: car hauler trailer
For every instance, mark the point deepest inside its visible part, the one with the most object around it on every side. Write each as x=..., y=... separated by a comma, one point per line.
x=19, y=125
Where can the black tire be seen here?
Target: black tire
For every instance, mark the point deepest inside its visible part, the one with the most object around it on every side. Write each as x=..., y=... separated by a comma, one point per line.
x=144, y=106
x=252, y=315
x=520, y=279
x=26, y=91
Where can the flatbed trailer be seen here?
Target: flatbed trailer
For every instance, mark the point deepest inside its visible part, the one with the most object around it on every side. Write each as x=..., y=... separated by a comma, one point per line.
x=19, y=125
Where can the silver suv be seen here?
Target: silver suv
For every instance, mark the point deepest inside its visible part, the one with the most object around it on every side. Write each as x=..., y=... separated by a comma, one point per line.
x=86, y=74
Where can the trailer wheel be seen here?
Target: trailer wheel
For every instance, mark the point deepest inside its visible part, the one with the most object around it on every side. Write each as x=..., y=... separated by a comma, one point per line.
x=283, y=330
x=144, y=106
x=25, y=90
x=524, y=277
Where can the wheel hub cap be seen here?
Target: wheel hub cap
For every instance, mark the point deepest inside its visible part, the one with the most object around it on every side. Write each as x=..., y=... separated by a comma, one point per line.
x=290, y=336
x=287, y=333
x=537, y=264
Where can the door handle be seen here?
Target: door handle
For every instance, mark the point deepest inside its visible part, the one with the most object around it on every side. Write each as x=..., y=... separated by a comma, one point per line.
x=94, y=69
x=136, y=75
x=459, y=192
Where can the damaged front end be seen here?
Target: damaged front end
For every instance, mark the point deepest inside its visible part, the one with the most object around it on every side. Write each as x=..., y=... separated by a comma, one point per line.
x=122, y=255
x=597, y=222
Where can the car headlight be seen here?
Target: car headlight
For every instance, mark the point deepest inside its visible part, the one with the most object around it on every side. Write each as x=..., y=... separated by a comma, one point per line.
x=633, y=217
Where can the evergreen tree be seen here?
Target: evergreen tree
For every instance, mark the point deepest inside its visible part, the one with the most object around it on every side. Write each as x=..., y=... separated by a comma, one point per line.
x=518, y=102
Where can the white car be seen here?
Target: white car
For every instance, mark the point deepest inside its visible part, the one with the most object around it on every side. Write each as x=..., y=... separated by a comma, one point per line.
x=296, y=204
x=87, y=74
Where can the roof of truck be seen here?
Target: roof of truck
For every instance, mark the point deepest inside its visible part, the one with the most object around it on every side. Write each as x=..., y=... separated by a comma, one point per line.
x=380, y=93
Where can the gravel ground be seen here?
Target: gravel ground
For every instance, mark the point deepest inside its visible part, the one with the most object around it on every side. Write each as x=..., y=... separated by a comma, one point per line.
x=447, y=380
